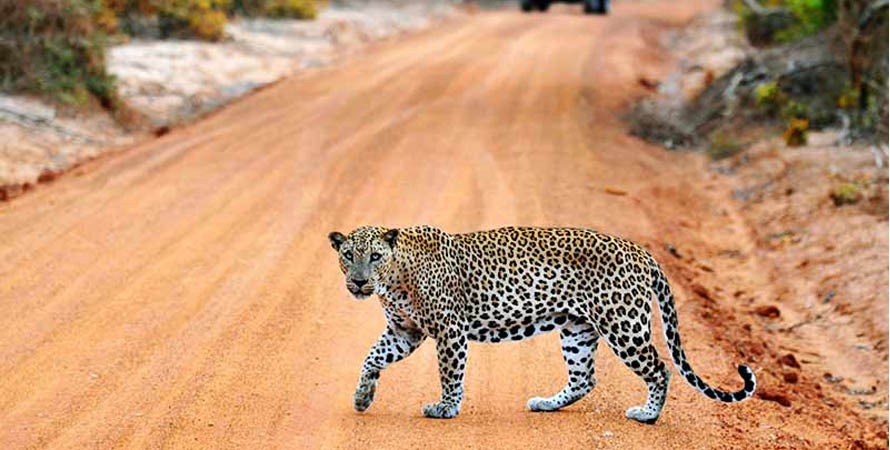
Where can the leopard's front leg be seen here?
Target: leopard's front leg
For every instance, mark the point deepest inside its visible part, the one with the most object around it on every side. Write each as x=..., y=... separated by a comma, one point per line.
x=451, y=348
x=391, y=347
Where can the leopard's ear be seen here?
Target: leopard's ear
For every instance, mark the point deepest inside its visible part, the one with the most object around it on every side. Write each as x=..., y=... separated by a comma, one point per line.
x=336, y=239
x=390, y=237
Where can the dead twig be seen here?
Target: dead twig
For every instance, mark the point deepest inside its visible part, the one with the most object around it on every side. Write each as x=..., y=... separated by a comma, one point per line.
x=615, y=191
x=879, y=156
x=814, y=318
x=802, y=323
x=845, y=138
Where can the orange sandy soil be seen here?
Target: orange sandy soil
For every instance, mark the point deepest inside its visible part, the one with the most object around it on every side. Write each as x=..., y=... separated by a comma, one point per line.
x=183, y=294
x=826, y=264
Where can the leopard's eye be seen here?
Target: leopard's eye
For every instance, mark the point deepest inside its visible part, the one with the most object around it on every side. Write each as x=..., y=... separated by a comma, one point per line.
x=375, y=257
x=348, y=256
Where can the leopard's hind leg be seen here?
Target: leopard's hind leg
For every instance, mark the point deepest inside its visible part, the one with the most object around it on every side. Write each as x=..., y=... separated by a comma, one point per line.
x=633, y=345
x=657, y=377
x=579, y=340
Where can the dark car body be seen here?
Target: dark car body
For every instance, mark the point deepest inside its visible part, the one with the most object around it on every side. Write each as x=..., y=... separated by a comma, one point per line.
x=590, y=6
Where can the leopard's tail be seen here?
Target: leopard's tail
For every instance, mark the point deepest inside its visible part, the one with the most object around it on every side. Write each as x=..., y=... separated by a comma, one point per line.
x=672, y=336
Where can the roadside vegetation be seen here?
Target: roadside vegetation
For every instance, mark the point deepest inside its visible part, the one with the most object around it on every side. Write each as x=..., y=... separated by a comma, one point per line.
x=808, y=65
x=842, y=75
x=56, y=48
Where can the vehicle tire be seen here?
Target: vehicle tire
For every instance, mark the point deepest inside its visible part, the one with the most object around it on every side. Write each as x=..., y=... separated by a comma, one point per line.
x=526, y=5
x=595, y=6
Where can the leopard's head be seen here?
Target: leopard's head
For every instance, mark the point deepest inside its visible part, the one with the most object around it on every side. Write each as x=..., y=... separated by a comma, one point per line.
x=365, y=256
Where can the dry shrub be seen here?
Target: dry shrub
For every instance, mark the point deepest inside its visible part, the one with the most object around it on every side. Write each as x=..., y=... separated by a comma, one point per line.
x=796, y=133
x=297, y=9
x=202, y=19
x=864, y=32
x=294, y=9
x=55, y=47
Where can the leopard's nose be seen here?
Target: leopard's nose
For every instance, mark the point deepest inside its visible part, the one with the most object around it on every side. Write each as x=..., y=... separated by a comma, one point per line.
x=359, y=283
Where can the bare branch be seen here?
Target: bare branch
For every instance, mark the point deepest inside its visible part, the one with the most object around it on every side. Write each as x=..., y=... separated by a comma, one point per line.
x=869, y=12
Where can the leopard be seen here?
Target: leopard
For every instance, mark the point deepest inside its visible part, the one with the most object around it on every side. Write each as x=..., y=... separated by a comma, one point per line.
x=511, y=284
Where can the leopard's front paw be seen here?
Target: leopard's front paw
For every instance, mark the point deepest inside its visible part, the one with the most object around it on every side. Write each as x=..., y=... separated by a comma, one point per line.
x=364, y=395
x=440, y=410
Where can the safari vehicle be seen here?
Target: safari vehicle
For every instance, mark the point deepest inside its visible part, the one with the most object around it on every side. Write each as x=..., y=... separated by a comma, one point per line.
x=590, y=6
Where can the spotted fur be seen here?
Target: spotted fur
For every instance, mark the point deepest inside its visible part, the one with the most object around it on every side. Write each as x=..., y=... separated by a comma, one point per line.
x=511, y=284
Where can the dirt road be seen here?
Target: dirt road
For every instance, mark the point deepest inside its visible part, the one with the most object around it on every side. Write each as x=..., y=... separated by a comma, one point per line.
x=183, y=293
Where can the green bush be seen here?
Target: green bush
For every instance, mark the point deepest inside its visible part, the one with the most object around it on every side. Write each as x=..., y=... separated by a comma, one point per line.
x=785, y=20
x=848, y=99
x=766, y=93
x=846, y=194
x=812, y=16
x=769, y=97
x=54, y=47
x=795, y=110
